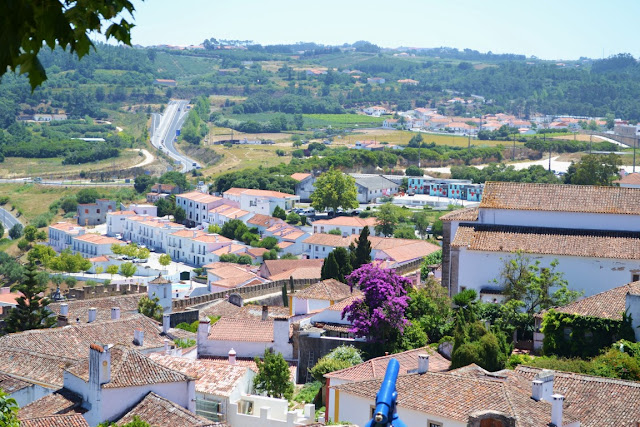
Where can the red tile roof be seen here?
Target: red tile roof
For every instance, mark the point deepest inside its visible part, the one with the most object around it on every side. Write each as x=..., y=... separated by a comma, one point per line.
x=549, y=241
x=630, y=179
x=300, y=176
x=348, y=221
x=281, y=266
x=227, y=329
x=196, y=196
x=329, y=290
x=258, y=193
x=130, y=368
x=64, y=420
x=59, y=402
x=98, y=239
x=38, y=368
x=10, y=385
x=158, y=411
x=249, y=362
x=466, y=214
x=212, y=377
x=561, y=198
x=79, y=309
x=376, y=368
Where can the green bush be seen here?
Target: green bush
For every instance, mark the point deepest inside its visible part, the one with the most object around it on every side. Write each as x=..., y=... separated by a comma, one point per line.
x=308, y=392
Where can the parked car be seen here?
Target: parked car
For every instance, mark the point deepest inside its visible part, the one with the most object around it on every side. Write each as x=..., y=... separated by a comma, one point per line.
x=309, y=211
x=119, y=236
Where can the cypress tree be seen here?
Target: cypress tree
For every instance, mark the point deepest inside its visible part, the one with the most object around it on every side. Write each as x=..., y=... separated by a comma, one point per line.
x=330, y=268
x=363, y=250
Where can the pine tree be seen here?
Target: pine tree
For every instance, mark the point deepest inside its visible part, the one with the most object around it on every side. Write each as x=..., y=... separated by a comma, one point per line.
x=31, y=310
x=273, y=375
x=330, y=268
x=363, y=250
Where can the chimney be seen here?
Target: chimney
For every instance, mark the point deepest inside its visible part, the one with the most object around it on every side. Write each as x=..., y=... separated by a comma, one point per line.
x=166, y=323
x=556, y=409
x=64, y=309
x=92, y=314
x=195, y=233
x=232, y=357
x=265, y=312
x=115, y=313
x=167, y=348
x=138, y=337
x=99, y=364
x=542, y=386
x=62, y=321
x=423, y=363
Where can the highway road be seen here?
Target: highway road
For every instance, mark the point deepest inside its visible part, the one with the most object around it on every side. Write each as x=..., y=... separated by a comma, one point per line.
x=8, y=220
x=163, y=133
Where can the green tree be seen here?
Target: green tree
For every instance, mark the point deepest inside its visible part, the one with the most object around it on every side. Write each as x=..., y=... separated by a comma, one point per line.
x=179, y=215
x=143, y=182
x=15, y=232
x=71, y=282
x=421, y=220
x=128, y=269
x=69, y=204
x=112, y=269
x=70, y=263
x=330, y=268
x=268, y=242
x=362, y=251
x=165, y=260
x=278, y=212
x=31, y=310
x=273, y=377
x=87, y=195
x=335, y=232
x=214, y=229
x=433, y=258
x=29, y=25
x=41, y=253
x=405, y=232
x=150, y=307
x=538, y=287
x=234, y=229
x=8, y=411
x=594, y=169
x=293, y=218
x=430, y=309
x=340, y=357
x=333, y=189
x=414, y=171
x=1, y=231
x=30, y=233
x=387, y=219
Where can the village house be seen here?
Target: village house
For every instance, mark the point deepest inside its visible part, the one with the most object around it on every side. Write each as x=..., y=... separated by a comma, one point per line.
x=116, y=219
x=150, y=231
x=318, y=296
x=631, y=180
x=161, y=191
x=226, y=276
x=95, y=213
x=372, y=187
x=279, y=269
x=591, y=231
x=376, y=80
x=290, y=238
x=197, y=205
x=155, y=410
x=375, y=111
x=408, y=82
x=304, y=187
x=102, y=309
x=225, y=213
x=263, y=222
x=347, y=225
x=92, y=245
x=165, y=82
x=261, y=201
x=61, y=233
x=193, y=246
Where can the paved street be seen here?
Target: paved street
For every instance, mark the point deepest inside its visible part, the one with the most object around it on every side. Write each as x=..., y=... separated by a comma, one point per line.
x=163, y=132
x=7, y=219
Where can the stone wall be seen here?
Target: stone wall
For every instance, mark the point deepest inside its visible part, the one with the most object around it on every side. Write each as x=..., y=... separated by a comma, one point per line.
x=311, y=349
x=101, y=291
x=187, y=316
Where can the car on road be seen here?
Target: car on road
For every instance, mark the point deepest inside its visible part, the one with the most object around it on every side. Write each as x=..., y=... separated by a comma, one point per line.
x=118, y=236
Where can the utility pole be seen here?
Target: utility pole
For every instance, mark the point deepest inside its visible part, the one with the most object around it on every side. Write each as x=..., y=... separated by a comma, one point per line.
x=549, y=157
x=513, y=153
x=590, y=142
x=469, y=145
x=634, y=154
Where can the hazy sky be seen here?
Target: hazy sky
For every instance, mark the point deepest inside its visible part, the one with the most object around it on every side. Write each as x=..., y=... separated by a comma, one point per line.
x=560, y=29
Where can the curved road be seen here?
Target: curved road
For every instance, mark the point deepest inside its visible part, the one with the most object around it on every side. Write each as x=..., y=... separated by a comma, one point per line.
x=8, y=220
x=163, y=133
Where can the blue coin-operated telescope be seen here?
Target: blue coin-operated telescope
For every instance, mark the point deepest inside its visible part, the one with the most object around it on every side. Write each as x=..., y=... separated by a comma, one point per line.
x=385, y=413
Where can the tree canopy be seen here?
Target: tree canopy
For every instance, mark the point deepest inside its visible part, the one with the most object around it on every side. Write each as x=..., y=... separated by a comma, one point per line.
x=31, y=310
x=273, y=377
x=333, y=189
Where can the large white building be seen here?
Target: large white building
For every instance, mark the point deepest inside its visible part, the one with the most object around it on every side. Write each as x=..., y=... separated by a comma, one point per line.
x=197, y=205
x=193, y=246
x=152, y=232
x=591, y=231
x=261, y=201
x=61, y=233
x=91, y=245
x=347, y=225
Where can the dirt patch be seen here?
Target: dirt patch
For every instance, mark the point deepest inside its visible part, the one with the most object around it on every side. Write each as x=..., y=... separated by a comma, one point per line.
x=204, y=155
x=579, y=137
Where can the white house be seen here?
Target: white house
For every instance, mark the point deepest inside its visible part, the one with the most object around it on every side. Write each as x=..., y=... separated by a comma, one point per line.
x=372, y=187
x=290, y=238
x=113, y=372
x=591, y=231
x=375, y=111
x=319, y=296
x=304, y=187
x=224, y=213
x=348, y=225
x=193, y=246
x=631, y=180
x=116, y=221
x=151, y=232
x=197, y=205
x=261, y=201
x=248, y=337
x=226, y=276
x=61, y=233
x=92, y=245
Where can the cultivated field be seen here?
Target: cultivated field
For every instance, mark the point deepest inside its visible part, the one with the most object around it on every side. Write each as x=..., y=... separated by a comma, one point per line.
x=579, y=137
x=400, y=137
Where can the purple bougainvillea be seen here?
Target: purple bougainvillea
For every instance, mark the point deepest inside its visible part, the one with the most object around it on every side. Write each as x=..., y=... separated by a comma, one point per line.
x=379, y=315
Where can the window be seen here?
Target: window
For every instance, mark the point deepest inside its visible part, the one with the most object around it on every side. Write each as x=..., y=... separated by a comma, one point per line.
x=635, y=277
x=86, y=211
x=433, y=424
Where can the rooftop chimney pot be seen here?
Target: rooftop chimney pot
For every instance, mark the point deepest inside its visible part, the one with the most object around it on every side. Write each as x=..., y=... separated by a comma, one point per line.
x=115, y=313
x=138, y=337
x=92, y=314
x=265, y=312
x=232, y=357
x=64, y=309
x=556, y=409
x=423, y=363
x=166, y=323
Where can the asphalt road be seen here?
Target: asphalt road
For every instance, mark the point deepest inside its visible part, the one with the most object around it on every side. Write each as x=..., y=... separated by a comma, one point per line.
x=7, y=219
x=163, y=132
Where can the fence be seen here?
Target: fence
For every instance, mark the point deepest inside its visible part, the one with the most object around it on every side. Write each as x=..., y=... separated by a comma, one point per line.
x=251, y=291
x=100, y=291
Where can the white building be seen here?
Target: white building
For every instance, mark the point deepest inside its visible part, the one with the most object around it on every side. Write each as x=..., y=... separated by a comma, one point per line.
x=149, y=231
x=197, y=205
x=348, y=225
x=376, y=111
x=373, y=187
x=225, y=213
x=226, y=276
x=591, y=231
x=116, y=221
x=290, y=238
x=304, y=186
x=248, y=337
x=193, y=246
x=92, y=245
x=319, y=296
x=61, y=233
x=261, y=201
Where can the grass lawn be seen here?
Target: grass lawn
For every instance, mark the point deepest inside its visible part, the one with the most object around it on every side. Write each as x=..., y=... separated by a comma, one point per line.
x=402, y=137
x=19, y=167
x=240, y=157
x=336, y=121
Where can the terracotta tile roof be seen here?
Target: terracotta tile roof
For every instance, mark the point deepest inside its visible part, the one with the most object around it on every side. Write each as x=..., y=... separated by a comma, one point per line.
x=79, y=309
x=10, y=385
x=10, y=298
x=258, y=193
x=66, y=226
x=130, y=368
x=72, y=341
x=466, y=214
x=332, y=240
x=300, y=176
x=38, y=368
x=212, y=377
x=630, y=179
x=212, y=238
x=257, y=252
x=251, y=330
x=64, y=420
x=158, y=411
x=595, y=401
x=192, y=234
x=348, y=221
x=279, y=266
x=409, y=251
x=607, y=305
x=456, y=397
x=98, y=239
x=561, y=198
x=231, y=275
x=376, y=368
x=330, y=290
x=549, y=241
x=230, y=249
x=264, y=220
x=196, y=196
x=101, y=258
x=339, y=306
x=59, y=402
x=311, y=273
x=224, y=308
x=229, y=211
x=285, y=245
x=249, y=362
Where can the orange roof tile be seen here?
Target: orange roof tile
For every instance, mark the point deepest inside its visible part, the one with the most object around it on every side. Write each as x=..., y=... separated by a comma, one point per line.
x=330, y=290
x=98, y=239
x=227, y=329
x=300, y=176
x=199, y=197
x=348, y=221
